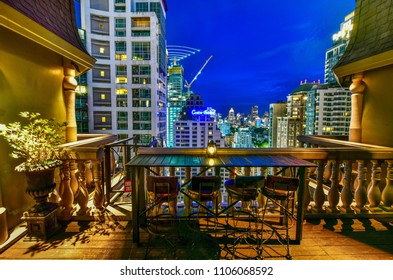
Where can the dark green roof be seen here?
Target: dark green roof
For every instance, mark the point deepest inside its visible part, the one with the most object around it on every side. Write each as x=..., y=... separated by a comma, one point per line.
x=372, y=32
x=303, y=87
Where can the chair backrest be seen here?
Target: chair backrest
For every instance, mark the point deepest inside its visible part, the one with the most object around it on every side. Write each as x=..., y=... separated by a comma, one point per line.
x=249, y=181
x=205, y=184
x=282, y=183
x=163, y=184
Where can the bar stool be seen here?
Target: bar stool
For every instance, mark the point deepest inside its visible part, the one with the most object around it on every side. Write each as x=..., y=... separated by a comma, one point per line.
x=162, y=189
x=162, y=222
x=280, y=191
x=204, y=191
x=243, y=223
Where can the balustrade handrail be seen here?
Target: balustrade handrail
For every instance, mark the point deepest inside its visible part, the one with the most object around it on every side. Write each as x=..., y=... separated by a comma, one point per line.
x=339, y=153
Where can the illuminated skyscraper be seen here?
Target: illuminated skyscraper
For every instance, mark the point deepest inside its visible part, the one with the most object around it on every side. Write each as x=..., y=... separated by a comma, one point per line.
x=127, y=85
x=294, y=123
x=176, y=99
x=254, y=113
x=340, y=43
x=231, y=116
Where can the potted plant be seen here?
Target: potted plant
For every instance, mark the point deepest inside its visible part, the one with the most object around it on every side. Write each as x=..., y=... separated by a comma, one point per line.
x=37, y=143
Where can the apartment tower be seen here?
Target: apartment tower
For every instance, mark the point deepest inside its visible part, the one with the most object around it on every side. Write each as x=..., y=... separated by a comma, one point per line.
x=127, y=85
x=340, y=43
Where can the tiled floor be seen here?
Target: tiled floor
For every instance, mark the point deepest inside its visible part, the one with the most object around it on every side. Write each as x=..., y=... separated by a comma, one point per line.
x=111, y=238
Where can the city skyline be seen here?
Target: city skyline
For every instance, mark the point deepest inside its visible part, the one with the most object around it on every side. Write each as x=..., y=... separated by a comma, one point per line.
x=274, y=45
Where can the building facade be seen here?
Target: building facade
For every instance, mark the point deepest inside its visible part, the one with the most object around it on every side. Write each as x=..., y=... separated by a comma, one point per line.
x=340, y=43
x=176, y=99
x=276, y=110
x=127, y=86
x=328, y=111
x=294, y=122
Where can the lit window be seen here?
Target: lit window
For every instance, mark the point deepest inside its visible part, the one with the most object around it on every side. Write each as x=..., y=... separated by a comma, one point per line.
x=102, y=50
x=102, y=96
x=121, y=91
x=103, y=119
x=102, y=73
x=121, y=57
x=81, y=89
x=121, y=80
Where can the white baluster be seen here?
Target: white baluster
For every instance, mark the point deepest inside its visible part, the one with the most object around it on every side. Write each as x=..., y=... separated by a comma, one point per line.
x=88, y=174
x=73, y=180
x=334, y=194
x=374, y=192
x=346, y=193
x=98, y=192
x=319, y=194
x=67, y=196
x=83, y=194
x=361, y=188
x=387, y=193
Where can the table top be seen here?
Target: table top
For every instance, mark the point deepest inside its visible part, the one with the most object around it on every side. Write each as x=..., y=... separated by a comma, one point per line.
x=185, y=160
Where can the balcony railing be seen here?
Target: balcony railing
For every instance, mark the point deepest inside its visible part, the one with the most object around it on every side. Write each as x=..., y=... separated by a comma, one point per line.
x=351, y=180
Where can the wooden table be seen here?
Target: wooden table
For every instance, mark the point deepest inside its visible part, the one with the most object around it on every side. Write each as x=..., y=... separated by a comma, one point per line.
x=148, y=158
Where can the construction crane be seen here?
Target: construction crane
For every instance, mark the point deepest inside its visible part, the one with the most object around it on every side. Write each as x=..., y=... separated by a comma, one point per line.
x=188, y=85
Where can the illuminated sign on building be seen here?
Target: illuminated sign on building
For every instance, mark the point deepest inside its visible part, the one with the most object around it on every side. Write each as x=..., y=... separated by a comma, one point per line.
x=208, y=111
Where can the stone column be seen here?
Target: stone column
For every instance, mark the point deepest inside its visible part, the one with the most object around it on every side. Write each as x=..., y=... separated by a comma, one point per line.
x=357, y=88
x=69, y=86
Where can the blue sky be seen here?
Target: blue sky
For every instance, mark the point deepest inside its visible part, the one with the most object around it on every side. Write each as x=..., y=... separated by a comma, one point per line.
x=261, y=49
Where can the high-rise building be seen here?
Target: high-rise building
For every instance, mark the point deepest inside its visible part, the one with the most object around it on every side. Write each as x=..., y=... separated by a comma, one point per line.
x=176, y=99
x=328, y=111
x=276, y=111
x=254, y=113
x=340, y=43
x=196, y=125
x=294, y=123
x=242, y=139
x=231, y=116
x=127, y=85
x=195, y=128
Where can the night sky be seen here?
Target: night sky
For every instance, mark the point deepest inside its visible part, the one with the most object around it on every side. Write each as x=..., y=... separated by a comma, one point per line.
x=261, y=49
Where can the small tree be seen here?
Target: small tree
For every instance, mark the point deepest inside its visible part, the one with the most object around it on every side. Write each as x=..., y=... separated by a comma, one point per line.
x=37, y=141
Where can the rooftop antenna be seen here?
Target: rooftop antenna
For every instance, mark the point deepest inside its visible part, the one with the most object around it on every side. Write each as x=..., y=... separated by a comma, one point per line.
x=176, y=53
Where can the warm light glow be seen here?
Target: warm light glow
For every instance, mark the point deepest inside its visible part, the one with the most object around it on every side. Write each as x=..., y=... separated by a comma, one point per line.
x=211, y=149
x=102, y=73
x=210, y=162
x=103, y=119
x=102, y=50
x=121, y=91
x=121, y=80
x=121, y=57
x=102, y=96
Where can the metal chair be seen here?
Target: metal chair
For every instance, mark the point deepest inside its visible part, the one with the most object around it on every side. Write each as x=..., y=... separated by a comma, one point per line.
x=203, y=191
x=280, y=193
x=243, y=223
x=162, y=189
x=162, y=222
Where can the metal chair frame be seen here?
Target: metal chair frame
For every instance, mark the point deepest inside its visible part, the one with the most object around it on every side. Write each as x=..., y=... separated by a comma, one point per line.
x=280, y=190
x=242, y=225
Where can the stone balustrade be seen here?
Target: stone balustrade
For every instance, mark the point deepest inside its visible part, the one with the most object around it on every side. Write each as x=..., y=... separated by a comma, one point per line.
x=80, y=178
x=350, y=180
